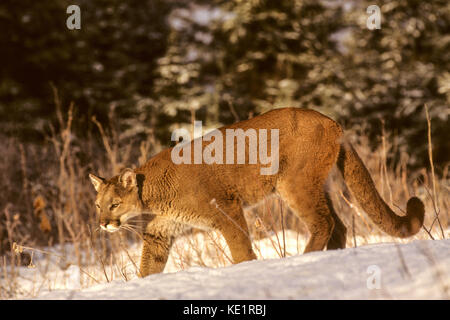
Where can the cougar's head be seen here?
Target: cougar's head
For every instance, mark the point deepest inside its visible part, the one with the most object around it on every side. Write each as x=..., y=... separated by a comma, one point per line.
x=117, y=199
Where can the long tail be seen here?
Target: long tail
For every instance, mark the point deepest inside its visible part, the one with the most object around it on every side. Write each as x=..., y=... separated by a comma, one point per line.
x=360, y=183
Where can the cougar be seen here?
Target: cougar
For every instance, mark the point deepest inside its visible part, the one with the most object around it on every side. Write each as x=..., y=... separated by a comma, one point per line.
x=212, y=195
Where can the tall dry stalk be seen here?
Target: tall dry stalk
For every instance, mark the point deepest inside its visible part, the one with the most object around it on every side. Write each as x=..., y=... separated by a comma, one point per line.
x=433, y=177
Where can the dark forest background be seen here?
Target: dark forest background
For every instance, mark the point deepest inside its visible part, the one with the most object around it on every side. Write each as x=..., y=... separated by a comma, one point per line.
x=108, y=95
x=155, y=62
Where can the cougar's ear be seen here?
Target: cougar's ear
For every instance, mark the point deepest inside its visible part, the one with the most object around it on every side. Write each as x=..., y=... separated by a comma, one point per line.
x=128, y=178
x=96, y=181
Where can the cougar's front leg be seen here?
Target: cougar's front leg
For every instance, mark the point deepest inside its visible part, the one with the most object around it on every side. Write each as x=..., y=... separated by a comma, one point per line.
x=155, y=252
x=159, y=235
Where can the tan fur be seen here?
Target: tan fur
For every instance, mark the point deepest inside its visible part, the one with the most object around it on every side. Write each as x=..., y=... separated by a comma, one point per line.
x=212, y=196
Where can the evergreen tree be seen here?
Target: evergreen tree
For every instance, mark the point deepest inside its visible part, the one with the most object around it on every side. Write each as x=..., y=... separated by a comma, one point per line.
x=390, y=73
x=108, y=63
x=248, y=57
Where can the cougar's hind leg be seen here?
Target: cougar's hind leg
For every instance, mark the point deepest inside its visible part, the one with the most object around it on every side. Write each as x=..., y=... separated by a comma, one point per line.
x=320, y=224
x=309, y=203
x=231, y=223
x=339, y=235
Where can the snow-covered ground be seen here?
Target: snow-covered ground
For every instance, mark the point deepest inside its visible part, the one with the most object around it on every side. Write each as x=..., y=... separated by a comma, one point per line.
x=415, y=270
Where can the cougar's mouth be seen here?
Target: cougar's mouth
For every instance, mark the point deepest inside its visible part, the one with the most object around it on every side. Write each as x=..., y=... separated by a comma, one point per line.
x=110, y=227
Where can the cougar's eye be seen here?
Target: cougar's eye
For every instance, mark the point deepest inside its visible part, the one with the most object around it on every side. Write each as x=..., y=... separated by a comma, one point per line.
x=114, y=205
x=97, y=205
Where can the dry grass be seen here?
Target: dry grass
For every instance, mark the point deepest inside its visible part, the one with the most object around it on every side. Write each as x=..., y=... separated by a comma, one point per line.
x=47, y=220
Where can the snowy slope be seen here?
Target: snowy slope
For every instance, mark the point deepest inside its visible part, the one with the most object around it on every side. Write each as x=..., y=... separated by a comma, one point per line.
x=417, y=270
